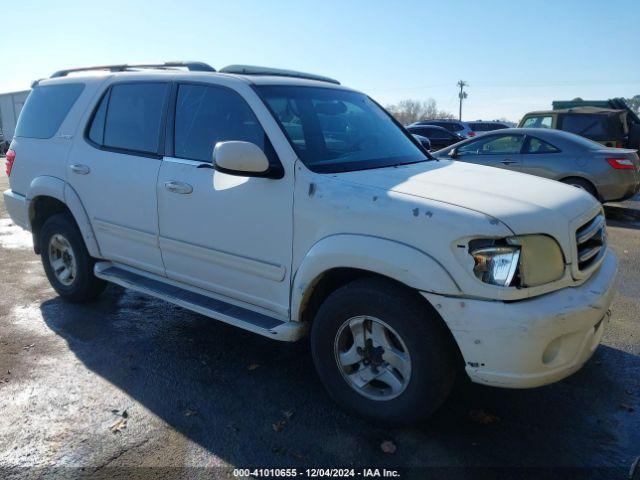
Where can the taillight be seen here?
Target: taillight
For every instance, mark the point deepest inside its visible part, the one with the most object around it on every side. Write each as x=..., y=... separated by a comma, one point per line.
x=11, y=157
x=621, y=163
x=472, y=134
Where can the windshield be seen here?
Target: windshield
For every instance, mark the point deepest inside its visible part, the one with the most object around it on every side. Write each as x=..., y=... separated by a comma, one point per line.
x=335, y=130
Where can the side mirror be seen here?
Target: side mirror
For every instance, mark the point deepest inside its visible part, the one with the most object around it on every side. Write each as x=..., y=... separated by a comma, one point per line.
x=244, y=159
x=453, y=153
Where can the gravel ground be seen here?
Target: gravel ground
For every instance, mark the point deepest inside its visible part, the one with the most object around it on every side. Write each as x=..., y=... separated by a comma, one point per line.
x=133, y=387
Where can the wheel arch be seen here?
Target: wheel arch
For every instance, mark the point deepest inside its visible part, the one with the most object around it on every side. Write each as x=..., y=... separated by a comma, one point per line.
x=582, y=178
x=50, y=195
x=338, y=259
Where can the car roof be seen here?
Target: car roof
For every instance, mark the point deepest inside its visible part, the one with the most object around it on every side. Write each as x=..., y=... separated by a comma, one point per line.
x=241, y=73
x=419, y=125
x=100, y=76
x=548, y=133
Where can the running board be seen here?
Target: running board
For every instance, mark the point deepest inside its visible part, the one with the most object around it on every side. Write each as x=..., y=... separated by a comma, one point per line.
x=217, y=309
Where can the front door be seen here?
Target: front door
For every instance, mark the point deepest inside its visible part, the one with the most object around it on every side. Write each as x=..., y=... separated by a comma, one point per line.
x=493, y=150
x=115, y=172
x=227, y=234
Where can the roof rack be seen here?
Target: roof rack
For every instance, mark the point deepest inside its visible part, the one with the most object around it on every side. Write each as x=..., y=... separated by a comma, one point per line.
x=278, y=72
x=191, y=66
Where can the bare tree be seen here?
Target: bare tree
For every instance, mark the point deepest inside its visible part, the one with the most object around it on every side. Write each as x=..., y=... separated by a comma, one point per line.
x=410, y=110
x=634, y=103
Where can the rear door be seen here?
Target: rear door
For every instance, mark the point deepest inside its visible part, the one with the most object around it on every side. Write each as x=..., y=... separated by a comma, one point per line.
x=597, y=127
x=493, y=150
x=114, y=171
x=543, y=159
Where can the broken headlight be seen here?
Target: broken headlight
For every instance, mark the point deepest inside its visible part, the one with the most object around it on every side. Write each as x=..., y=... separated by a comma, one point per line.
x=522, y=261
x=496, y=264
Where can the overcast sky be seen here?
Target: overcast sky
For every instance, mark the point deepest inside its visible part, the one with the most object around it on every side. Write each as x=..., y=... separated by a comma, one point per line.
x=516, y=56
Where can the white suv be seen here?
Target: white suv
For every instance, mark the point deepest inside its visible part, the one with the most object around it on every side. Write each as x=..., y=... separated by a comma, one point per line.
x=284, y=203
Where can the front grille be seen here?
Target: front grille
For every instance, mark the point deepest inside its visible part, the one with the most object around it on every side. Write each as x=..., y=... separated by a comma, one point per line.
x=591, y=240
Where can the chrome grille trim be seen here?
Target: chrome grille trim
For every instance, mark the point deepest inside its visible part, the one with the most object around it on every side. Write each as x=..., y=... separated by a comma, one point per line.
x=591, y=242
x=589, y=230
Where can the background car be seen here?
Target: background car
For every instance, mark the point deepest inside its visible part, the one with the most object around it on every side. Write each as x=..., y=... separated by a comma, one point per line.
x=438, y=136
x=610, y=127
x=607, y=173
x=424, y=141
x=454, y=126
x=482, y=126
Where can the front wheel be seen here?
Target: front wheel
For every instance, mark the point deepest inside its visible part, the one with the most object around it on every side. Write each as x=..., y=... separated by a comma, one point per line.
x=382, y=353
x=66, y=261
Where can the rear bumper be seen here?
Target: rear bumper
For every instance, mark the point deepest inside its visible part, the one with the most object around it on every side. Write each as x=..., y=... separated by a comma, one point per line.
x=533, y=342
x=18, y=208
x=622, y=186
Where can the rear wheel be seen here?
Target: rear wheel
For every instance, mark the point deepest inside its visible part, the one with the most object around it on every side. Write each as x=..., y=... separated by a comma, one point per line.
x=583, y=184
x=382, y=353
x=66, y=261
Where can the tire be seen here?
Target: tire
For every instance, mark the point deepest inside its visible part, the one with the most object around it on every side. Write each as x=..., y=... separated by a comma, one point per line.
x=585, y=185
x=61, y=244
x=414, y=327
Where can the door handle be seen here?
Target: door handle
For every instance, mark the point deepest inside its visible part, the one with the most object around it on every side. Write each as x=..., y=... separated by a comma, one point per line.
x=178, y=187
x=79, y=169
x=508, y=162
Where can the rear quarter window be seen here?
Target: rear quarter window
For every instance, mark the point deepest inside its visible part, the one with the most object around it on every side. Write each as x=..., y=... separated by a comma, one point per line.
x=46, y=108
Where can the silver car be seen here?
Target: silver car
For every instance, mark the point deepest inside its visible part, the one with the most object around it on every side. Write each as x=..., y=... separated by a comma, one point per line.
x=609, y=174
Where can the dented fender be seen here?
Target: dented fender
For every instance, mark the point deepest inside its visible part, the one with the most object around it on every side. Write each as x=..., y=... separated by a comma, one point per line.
x=402, y=262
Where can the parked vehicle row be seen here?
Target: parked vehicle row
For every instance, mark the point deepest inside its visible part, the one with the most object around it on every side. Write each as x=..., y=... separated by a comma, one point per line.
x=286, y=204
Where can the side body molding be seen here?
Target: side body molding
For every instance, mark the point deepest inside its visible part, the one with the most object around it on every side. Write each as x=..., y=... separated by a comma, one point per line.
x=402, y=262
x=60, y=190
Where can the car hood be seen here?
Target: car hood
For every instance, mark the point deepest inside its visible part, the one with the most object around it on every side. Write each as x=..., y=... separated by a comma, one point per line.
x=525, y=203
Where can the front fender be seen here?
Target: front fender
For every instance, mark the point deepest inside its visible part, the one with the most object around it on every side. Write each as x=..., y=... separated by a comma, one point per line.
x=399, y=261
x=47, y=186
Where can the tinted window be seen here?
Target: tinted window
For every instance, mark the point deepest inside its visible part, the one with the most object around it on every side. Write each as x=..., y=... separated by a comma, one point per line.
x=46, y=108
x=535, y=145
x=96, y=132
x=538, y=122
x=334, y=130
x=208, y=115
x=493, y=145
x=134, y=117
x=452, y=127
x=587, y=125
x=437, y=134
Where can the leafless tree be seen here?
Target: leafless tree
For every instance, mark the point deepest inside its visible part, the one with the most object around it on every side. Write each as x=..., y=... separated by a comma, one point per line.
x=410, y=110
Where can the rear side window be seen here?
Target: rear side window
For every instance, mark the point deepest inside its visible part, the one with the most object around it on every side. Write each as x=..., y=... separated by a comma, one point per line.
x=129, y=117
x=535, y=145
x=586, y=125
x=452, y=127
x=207, y=115
x=46, y=108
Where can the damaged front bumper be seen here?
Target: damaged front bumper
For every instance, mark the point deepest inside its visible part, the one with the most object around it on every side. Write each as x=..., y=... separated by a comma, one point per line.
x=533, y=342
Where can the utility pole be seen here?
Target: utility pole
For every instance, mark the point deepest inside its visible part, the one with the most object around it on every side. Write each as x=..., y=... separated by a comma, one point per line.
x=462, y=95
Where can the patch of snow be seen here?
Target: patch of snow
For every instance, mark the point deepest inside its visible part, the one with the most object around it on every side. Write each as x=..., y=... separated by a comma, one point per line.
x=12, y=236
